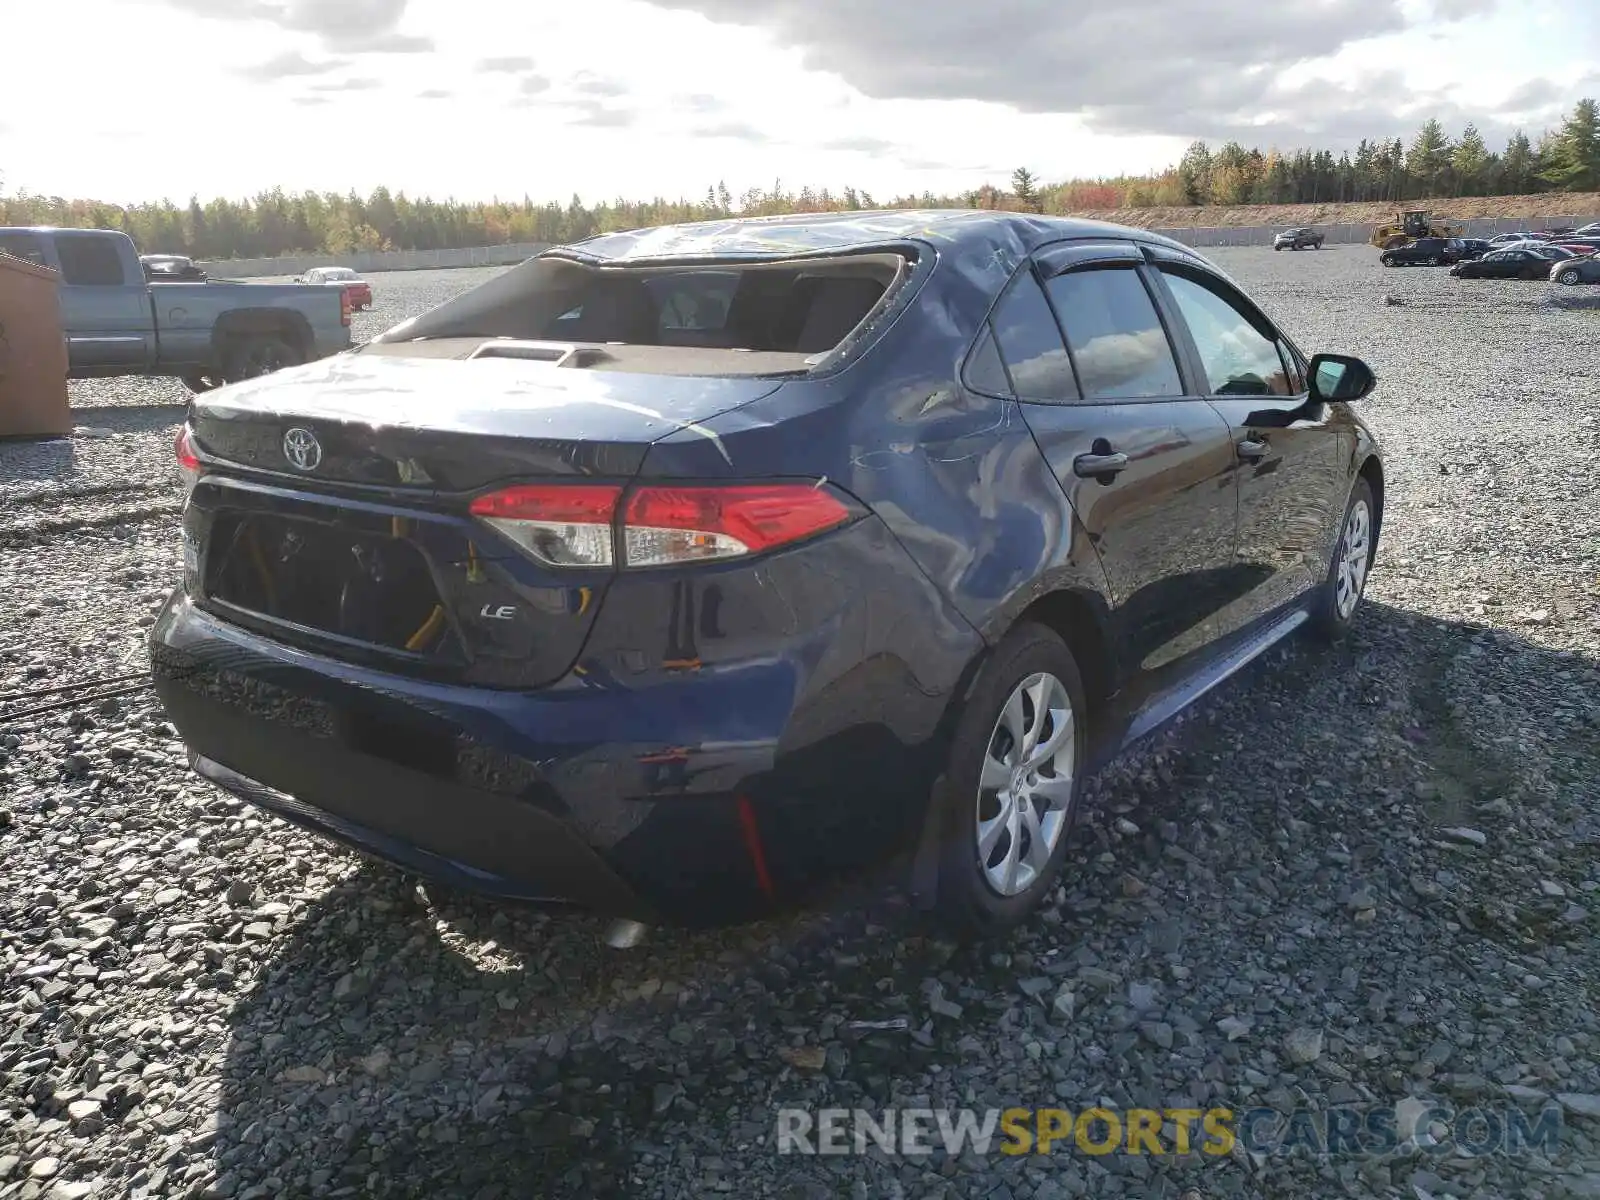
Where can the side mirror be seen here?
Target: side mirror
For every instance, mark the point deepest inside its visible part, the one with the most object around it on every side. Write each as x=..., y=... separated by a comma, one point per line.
x=1340, y=378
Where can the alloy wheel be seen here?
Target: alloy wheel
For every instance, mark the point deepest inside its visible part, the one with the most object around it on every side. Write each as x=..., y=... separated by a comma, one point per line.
x=1025, y=788
x=1355, y=549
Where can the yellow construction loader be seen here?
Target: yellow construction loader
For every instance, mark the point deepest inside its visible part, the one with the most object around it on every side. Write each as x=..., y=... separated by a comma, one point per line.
x=1412, y=224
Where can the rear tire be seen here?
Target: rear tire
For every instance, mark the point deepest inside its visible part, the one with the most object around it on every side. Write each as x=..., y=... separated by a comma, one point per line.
x=1013, y=784
x=259, y=354
x=1339, y=598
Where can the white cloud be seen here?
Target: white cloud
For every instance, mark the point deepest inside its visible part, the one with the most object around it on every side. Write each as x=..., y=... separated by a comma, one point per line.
x=511, y=99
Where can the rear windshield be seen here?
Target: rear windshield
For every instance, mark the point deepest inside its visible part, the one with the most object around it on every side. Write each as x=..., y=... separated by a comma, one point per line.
x=721, y=318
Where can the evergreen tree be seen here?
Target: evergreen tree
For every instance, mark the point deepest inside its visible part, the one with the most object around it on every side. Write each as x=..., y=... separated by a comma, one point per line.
x=1573, y=161
x=1022, y=186
x=1429, y=158
x=1194, y=173
x=1517, y=165
x=1469, y=161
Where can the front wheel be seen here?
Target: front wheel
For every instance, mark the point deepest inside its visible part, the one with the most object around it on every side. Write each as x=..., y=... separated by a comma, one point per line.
x=1340, y=595
x=1435, y=261
x=1012, y=784
x=1387, y=260
x=1568, y=277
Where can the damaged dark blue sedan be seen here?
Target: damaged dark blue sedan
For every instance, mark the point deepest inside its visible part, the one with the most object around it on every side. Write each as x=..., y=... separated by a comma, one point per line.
x=673, y=571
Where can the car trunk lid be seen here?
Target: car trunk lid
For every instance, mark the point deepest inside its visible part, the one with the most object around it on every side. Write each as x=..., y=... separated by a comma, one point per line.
x=333, y=510
x=449, y=425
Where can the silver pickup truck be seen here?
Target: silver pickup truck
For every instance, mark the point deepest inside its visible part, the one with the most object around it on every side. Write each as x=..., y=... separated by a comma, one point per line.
x=206, y=334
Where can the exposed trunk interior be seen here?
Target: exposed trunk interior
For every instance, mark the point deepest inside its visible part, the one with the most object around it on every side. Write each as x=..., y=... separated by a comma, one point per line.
x=370, y=589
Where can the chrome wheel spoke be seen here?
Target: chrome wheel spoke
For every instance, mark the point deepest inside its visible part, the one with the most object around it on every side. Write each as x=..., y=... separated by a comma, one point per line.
x=989, y=831
x=1056, y=791
x=1039, y=695
x=1060, y=736
x=1039, y=846
x=996, y=775
x=1013, y=862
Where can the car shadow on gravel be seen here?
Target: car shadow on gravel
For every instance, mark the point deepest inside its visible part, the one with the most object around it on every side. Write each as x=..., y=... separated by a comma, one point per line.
x=401, y=1046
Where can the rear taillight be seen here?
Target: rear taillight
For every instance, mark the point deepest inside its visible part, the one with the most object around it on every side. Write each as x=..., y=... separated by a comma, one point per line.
x=688, y=524
x=563, y=526
x=345, y=308
x=188, y=459
x=576, y=525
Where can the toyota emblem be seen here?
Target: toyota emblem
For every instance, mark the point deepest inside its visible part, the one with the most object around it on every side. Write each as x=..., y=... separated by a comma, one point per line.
x=301, y=448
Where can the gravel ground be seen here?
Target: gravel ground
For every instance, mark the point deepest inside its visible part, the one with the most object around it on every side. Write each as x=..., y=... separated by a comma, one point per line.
x=1348, y=878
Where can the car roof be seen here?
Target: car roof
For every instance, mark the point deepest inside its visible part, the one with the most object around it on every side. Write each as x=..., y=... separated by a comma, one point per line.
x=967, y=232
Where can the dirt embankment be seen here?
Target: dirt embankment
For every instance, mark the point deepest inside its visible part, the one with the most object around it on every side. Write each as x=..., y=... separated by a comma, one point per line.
x=1554, y=204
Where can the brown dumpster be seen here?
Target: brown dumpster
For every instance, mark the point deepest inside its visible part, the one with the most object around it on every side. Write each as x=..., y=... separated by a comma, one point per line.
x=33, y=352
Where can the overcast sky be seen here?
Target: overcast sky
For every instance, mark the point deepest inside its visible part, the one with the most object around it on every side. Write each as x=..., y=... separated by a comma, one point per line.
x=126, y=100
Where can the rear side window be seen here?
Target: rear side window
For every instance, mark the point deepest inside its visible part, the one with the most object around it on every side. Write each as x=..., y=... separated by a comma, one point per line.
x=1118, y=343
x=1030, y=343
x=1240, y=359
x=984, y=371
x=22, y=245
x=89, y=261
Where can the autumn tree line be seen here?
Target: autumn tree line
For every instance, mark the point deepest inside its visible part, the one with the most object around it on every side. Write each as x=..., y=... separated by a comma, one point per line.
x=1431, y=165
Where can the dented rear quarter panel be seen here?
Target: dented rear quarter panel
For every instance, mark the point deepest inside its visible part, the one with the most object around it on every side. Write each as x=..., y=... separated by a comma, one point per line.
x=956, y=476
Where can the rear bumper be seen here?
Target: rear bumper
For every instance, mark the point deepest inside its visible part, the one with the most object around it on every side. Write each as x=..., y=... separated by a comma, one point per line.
x=508, y=845
x=512, y=794
x=720, y=745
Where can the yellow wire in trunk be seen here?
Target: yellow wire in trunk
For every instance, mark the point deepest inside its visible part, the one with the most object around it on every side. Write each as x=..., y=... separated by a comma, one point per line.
x=430, y=628
x=261, y=569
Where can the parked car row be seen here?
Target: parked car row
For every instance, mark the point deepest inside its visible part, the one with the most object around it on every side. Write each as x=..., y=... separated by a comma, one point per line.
x=1521, y=261
x=1564, y=256
x=1435, y=252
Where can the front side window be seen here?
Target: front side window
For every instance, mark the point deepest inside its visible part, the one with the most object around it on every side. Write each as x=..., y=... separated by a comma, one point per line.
x=1030, y=343
x=1118, y=344
x=1239, y=358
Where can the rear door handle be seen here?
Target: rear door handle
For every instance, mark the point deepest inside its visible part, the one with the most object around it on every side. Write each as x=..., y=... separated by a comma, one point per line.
x=1252, y=449
x=1099, y=466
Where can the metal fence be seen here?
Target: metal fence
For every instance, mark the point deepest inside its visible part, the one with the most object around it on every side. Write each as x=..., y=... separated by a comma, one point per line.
x=501, y=256
x=377, y=260
x=1346, y=234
